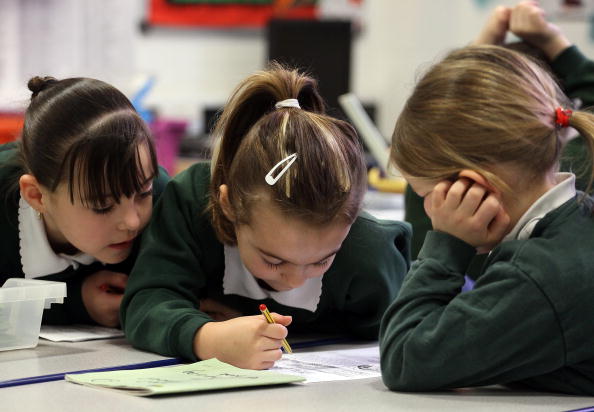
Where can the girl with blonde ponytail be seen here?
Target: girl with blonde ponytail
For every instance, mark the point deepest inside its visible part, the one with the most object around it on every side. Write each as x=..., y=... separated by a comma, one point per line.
x=480, y=139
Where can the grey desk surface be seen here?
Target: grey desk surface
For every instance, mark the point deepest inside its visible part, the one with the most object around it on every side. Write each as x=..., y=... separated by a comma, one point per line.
x=357, y=395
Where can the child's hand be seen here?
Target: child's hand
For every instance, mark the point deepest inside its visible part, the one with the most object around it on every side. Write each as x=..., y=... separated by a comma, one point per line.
x=218, y=311
x=102, y=294
x=468, y=211
x=247, y=342
x=495, y=29
x=528, y=23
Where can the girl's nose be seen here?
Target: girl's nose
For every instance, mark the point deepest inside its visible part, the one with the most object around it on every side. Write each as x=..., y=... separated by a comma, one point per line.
x=296, y=281
x=296, y=276
x=130, y=218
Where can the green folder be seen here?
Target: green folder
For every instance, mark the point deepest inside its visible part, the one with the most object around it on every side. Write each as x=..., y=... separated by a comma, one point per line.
x=207, y=375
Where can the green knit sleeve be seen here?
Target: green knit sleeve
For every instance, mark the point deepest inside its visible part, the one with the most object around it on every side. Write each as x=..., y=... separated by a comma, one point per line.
x=434, y=337
x=159, y=311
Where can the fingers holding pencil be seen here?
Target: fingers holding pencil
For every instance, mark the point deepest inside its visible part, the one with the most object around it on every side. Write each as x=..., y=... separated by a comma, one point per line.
x=248, y=342
x=270, y=319
x=281, y=319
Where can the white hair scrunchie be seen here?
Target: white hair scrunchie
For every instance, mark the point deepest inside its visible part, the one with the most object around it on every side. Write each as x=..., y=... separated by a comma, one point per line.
x=287, y=103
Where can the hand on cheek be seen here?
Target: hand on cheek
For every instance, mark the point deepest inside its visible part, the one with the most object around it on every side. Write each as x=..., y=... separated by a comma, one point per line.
x=468, y=211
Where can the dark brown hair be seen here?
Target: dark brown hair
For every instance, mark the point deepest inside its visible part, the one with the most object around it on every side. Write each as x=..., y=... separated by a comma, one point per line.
x=85, y=133
x=483, y=106
x=327, y=180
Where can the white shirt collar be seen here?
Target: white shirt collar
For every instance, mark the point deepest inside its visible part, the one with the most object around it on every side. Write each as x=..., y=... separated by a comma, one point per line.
x=551, y=200
x=37, y=257
x=237, y=280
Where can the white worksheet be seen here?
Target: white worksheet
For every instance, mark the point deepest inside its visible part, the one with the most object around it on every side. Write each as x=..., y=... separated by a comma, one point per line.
x=335, y=365
x=78, y=333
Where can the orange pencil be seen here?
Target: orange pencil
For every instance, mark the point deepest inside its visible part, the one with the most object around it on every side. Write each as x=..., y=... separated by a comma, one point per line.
x=269, y=319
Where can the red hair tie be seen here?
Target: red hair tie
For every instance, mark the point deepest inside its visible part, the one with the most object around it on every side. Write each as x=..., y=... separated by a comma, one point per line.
x=562, y=116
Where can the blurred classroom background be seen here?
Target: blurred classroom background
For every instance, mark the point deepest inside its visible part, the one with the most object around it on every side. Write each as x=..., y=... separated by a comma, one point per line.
x=178, y=60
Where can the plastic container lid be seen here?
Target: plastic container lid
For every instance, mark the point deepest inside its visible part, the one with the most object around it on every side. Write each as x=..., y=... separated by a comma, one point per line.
x=19, y=290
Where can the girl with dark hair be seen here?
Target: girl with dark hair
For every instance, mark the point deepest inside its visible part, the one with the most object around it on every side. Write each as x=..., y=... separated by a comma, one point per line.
x=275, y=220
x=77, y=189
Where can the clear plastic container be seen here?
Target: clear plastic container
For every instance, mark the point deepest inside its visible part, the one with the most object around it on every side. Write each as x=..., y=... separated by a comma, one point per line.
x=21, y=307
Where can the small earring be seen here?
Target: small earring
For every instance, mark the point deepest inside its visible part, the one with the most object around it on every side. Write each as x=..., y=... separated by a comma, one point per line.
x=38, y=214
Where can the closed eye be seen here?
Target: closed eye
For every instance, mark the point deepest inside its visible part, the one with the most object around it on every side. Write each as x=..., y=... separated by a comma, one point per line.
x=322, y=263
x=103, y=210
x=273, y=266
x=146, y=194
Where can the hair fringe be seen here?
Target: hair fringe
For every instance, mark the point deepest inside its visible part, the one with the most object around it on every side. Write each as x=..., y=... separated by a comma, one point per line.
x=85, y=133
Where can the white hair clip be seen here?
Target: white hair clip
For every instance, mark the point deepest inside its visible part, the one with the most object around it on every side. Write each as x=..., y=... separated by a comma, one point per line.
x=287, y=103
x=289, y=160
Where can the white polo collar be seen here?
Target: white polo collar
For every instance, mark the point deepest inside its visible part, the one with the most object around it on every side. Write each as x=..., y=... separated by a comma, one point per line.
x=37, y=257
x=237, y=280
x=563, y=191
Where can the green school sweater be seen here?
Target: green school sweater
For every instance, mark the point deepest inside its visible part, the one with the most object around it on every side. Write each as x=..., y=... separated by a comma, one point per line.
x=528, y=320
x=73, y=309
x=575, y=74
x=181, y=261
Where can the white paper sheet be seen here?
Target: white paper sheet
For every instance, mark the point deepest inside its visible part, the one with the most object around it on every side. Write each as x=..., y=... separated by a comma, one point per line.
x=78, y=333
x=346, y=364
